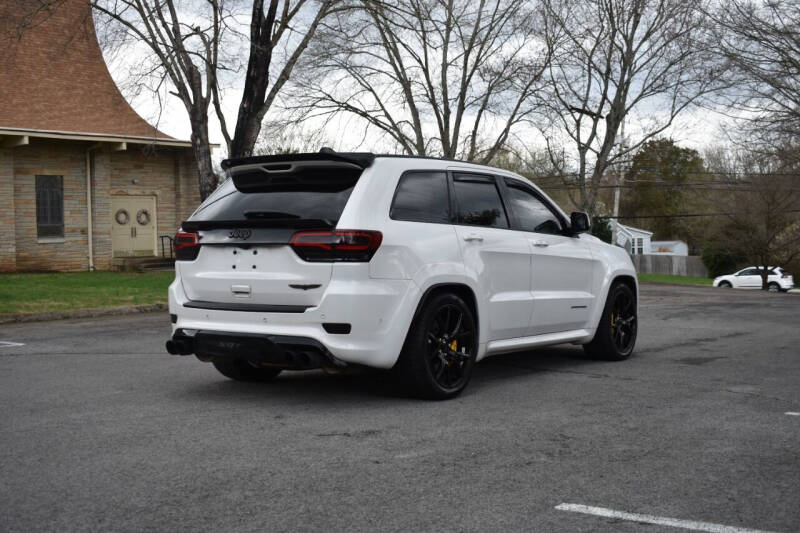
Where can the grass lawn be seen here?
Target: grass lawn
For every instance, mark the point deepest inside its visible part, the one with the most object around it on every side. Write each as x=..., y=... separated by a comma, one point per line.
x=41, y=293
x=674, y=280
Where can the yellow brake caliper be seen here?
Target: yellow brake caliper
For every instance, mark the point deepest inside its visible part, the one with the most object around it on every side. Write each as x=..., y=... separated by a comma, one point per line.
x=454, y=347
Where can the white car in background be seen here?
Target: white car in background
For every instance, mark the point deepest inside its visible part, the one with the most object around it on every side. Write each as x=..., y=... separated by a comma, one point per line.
x=750, y=278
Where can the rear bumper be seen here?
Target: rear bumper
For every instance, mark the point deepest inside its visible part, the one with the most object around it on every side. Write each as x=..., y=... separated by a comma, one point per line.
x=379, y=312
x=294, y=353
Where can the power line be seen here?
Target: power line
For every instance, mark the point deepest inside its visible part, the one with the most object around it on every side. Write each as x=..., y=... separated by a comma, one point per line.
x=687, y=215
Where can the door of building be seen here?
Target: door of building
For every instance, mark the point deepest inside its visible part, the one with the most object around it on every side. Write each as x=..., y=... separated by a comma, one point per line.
x=133, y=226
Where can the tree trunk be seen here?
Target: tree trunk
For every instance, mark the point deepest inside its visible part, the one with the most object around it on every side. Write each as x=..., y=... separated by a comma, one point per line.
x=202, y=154
x=251, y=107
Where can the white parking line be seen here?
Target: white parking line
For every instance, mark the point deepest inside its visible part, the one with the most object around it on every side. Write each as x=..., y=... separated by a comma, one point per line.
x=792, y=413
x=650, y=519
x=4, y=344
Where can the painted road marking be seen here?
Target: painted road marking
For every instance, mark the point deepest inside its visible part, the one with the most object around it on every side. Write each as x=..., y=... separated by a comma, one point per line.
x=792, y=413
x=4, y=344
x=650, y=519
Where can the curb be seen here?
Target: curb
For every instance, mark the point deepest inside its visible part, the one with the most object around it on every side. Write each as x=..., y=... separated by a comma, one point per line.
x=83, y=313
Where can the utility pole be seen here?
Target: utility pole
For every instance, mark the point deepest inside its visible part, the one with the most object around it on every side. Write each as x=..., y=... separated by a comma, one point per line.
x=620, y=179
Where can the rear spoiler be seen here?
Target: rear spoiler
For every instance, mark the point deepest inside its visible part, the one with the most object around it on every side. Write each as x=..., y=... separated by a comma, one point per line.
x=359, y=159
x=327, y=170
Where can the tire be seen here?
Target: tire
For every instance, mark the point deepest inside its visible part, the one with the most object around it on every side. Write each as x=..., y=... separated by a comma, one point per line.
x=773, y=287
x=615, y=337
x=725, y=285
x=439, y=352
x=241, y=370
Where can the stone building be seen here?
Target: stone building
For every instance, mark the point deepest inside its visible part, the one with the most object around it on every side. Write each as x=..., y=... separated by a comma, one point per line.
x=85, y=182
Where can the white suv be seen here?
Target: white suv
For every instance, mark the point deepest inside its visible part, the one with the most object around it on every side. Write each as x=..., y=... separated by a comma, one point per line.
x=778, y=279
x=423, y=265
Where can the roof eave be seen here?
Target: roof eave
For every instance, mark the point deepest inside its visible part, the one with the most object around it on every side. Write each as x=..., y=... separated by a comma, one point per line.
x=95, y=137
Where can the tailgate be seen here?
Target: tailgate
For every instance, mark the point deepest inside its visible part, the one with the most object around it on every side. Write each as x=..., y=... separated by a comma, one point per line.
x=256, y=274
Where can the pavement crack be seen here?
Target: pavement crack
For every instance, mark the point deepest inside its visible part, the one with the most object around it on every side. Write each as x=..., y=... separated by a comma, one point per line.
x=759, y=395
x=357, y=434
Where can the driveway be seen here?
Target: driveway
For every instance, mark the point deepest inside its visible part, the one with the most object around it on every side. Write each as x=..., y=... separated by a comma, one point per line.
x=100, y=429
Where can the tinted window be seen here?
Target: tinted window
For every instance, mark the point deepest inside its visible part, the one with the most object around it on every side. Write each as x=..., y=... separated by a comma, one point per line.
x=422, y=197
x=749, y=272
x=49, y=206
x=479, y=202
x=532, y=213
x=301, y=202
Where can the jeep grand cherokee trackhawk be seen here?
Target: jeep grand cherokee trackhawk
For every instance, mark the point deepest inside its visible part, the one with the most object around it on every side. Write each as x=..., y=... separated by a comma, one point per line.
x=423, y=265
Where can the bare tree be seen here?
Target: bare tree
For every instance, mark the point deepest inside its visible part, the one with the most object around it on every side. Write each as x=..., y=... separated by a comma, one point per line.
x=762, y=42
x=761, y=212
x=614, y=60
x=450, y=78
x=184, y=40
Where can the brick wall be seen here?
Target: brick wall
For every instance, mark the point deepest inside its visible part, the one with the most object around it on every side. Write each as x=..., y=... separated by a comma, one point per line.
x=62, y=159
x=167, y=174
x=8, y=247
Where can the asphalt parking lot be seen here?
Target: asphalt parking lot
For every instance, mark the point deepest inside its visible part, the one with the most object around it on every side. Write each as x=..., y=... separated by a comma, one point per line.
x=100, y=429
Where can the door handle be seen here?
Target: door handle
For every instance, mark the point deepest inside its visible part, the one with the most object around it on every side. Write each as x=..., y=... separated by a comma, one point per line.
x=540, y=244
x=473, y=237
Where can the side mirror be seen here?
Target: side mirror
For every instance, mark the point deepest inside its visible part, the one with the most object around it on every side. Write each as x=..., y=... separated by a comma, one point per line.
x=579, y=222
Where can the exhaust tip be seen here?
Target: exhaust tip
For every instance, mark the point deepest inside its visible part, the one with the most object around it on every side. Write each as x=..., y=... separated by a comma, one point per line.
x=178, y=346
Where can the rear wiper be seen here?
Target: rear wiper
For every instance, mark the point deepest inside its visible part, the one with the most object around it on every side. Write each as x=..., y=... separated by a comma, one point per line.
x=268, y=214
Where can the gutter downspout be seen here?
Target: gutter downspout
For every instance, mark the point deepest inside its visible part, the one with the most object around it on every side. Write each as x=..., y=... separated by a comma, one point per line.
x=89, y=221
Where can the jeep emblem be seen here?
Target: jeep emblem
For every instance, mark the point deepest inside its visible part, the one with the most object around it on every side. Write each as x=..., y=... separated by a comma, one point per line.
x=243, y=234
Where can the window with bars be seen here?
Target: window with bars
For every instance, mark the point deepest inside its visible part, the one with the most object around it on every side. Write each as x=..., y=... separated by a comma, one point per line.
x=49, y=206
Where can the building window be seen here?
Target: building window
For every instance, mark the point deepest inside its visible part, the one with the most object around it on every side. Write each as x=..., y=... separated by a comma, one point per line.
x=49, y=206
x=639, y=246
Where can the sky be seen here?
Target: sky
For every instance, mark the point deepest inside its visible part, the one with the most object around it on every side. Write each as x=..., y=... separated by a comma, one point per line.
x=696, y=128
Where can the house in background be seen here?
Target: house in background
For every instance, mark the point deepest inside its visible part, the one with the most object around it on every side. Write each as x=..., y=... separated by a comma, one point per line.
x=635, y=240
x=678, y=248
x=84, y=181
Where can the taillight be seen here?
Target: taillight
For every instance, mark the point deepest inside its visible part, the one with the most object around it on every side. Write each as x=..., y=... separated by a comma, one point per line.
x=356, y=246
x=186, y=246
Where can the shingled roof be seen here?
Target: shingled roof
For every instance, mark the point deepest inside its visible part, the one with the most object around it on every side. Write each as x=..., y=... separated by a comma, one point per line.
x=53, y=77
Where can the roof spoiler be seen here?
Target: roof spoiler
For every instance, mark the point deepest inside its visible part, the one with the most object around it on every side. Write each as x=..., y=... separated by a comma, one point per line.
x=323, y=171
x=359, y=159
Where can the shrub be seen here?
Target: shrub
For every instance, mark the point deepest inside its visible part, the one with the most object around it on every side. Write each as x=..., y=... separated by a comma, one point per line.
x=601, y=229
x=720, y=261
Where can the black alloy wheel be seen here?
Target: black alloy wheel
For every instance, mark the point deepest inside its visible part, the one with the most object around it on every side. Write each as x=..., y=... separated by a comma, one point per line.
x=440, y=349
x=623, y=321
x=449, y=343
x=615, y=336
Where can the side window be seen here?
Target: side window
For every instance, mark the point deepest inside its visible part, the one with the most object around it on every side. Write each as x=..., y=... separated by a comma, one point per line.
x=479, y=202
x=422, y=197
x=49, y=206
x=748, y=272
x=532, y=213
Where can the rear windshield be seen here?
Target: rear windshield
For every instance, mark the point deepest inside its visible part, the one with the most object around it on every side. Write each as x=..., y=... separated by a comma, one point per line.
x=306, y=203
